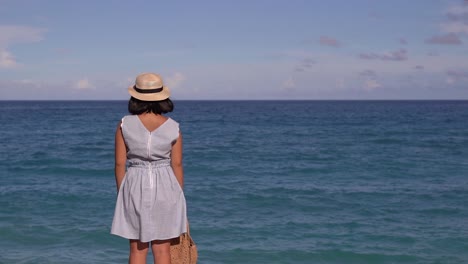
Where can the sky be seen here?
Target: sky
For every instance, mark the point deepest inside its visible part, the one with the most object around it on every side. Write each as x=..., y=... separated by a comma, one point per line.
x=235, y=49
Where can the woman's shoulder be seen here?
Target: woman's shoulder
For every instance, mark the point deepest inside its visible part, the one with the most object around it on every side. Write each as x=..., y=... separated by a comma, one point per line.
x=127, y=119
x=172, y=123
x=129, y=116
x=171, y=120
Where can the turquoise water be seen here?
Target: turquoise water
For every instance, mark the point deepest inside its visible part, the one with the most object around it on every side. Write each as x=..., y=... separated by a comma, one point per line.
x=266, y=182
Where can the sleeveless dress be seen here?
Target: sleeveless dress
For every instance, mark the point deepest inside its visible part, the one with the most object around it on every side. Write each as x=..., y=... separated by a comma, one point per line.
x=150, y=203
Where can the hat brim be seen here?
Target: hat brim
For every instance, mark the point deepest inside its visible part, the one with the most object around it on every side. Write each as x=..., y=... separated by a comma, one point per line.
x=162, y=95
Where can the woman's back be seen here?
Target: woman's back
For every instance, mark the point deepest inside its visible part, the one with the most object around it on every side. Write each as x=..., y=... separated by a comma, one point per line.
x=143, y=144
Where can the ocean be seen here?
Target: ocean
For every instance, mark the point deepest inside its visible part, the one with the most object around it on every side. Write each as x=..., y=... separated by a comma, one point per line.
x=265, y=181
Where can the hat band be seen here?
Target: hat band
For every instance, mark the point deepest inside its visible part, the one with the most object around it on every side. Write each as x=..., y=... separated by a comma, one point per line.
x=157, y=90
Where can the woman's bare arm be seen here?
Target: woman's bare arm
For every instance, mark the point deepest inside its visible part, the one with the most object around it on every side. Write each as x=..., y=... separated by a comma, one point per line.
x=120, y=157
x=176, y=161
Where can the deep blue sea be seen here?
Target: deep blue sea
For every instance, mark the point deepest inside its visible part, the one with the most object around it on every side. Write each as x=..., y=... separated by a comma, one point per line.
x=266, y=181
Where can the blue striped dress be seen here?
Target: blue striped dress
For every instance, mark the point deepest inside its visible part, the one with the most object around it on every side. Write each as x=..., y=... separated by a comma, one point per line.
x=150, y=204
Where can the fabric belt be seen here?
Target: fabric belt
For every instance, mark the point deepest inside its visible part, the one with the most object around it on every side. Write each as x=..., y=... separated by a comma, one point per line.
x=148, y=163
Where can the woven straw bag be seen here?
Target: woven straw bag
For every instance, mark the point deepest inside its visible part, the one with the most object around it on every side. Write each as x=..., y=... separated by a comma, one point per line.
x=183, y=249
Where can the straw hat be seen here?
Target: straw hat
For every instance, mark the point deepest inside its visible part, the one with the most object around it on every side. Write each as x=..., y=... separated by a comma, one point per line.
x=149, y=87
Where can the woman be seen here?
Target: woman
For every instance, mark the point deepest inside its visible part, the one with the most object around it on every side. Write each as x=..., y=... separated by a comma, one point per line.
x=150, y=207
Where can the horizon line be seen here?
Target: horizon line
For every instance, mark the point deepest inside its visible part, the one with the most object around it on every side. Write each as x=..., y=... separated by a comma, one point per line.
x=231, y=100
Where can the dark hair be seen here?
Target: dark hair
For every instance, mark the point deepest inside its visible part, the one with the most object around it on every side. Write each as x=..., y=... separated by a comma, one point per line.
x=136, y=107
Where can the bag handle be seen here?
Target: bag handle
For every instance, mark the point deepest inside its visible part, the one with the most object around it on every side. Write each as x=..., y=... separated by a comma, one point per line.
x=188, y=228
x=188, y=235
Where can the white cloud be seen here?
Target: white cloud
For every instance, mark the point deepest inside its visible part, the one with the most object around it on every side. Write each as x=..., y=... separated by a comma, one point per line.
x=397, y=55
x=371, y=84
x=28, y=82
x=289, y=84
x=368, y=73
x=455, y=76
x=297, y=54
x=340, y=84
x=457, y=19
x=457, y=9
x=175, y=80
x=166, y=53
x=7, y=60
x=84, y=84
x=329, y=41
x=305, y=64
x=447, y=39
x=125, y=82
x=455, y=27
x=11, y=34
